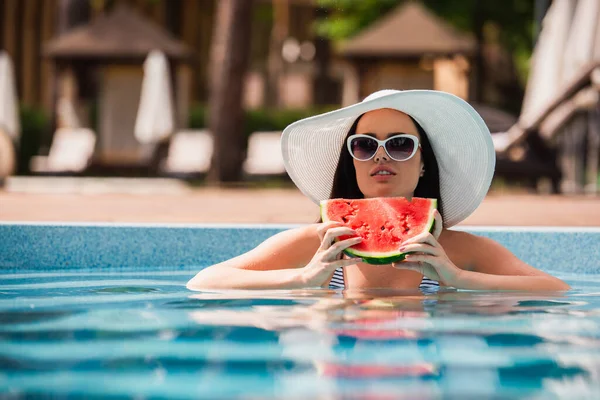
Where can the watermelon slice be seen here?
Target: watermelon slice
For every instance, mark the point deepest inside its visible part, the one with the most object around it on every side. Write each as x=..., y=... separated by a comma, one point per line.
x=383, y=223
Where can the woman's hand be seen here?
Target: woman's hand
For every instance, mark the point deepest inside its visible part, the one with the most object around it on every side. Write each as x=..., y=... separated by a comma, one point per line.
x=429, y=258
x=328, y=257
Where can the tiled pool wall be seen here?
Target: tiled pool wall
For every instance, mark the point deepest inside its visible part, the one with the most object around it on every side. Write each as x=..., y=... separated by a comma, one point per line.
x=73, y=246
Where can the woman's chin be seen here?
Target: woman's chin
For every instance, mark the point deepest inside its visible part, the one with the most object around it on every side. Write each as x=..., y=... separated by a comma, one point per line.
x=385, y=193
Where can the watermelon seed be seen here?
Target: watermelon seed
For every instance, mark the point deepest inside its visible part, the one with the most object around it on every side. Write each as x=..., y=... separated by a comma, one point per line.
x=405, y=224
x=383, y=228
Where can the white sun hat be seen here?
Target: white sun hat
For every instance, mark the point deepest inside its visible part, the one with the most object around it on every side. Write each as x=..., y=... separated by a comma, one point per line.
x=459, y=137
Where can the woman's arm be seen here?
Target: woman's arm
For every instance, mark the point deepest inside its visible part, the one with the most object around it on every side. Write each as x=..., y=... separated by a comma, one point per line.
x=495, y=268
x=271, y=265
x=298, y=258
x=484, y=263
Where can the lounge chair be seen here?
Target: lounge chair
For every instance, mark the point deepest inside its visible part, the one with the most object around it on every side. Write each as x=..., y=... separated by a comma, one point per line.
x=264, y=155
x=7, y=156
x=71, y=152
x=190, y=153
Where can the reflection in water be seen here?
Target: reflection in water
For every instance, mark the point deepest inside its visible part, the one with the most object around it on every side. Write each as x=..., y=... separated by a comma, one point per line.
x=152, y=338
x=31, y=316
x=455, y=342
x=126, y=289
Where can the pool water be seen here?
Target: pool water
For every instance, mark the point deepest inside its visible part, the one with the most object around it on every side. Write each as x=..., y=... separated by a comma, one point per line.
x=131, y=332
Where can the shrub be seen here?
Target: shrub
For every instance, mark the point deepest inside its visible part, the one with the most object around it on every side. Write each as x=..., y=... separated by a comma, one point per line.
x=34, y=122
x=259, y=119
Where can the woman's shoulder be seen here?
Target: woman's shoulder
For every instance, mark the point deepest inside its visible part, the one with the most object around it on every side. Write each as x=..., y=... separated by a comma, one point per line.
x=290, y=248
x=461, y=247
x=295, y=245
x=458, y=238
x=301, y=234
x=471, y=250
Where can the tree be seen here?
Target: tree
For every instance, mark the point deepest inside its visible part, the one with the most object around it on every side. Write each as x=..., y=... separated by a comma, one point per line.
x=514, y=20
x=343, y=19
x=229, y=62
x=275, y=65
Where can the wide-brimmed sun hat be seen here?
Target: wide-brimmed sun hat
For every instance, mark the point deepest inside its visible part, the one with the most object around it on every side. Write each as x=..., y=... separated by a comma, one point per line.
x=460, y=139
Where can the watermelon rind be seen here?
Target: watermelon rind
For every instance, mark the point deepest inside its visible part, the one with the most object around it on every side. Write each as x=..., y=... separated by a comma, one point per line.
x=380, y=258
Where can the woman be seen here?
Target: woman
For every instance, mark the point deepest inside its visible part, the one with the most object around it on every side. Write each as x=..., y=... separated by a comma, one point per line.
x=428, y=144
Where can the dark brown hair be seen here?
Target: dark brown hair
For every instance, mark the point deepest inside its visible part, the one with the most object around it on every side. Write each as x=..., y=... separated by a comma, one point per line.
x=345, y=184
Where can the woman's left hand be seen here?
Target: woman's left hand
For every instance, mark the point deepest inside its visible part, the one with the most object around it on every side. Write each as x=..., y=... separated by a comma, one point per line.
x=428, y=257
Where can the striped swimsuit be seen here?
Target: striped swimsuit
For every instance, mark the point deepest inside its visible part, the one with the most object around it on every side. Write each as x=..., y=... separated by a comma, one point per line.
x=337, y=282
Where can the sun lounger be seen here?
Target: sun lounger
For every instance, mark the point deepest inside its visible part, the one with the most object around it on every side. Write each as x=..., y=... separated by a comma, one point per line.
x=71, y=152
x=264, y=155
x=190, y=152
x=7, y=156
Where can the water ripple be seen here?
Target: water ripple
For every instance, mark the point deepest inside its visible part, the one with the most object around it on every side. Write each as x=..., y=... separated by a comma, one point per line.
x=146, y=335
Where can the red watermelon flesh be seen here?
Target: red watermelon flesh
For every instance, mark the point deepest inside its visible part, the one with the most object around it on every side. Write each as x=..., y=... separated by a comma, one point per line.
x=384, y=223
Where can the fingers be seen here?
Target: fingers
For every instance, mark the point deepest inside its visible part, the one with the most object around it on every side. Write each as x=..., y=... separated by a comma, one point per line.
x=332, y=234
x=410, y=265
x=421, y=248
x=421, y=259
x=439, y=224
x=336, y=249
x=424, y=237
x=345, y=262
x=323, y=227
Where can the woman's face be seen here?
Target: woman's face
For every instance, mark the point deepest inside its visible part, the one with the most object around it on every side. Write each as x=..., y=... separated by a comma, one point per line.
x=402, y=181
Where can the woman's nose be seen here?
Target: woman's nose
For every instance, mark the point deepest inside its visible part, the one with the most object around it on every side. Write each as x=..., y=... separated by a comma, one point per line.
x=380, y=155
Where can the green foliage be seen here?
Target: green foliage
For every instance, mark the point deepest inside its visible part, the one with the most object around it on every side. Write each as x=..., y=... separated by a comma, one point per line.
x=263, y=14
x=259, y=119
x=347, y=17
x=513, y=18
x=197, y=118
x=34, y=122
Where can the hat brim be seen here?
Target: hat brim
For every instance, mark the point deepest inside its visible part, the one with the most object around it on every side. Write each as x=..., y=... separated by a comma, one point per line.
x=460, y=139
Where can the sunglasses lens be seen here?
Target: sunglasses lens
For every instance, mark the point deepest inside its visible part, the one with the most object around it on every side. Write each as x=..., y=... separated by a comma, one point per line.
x=363, y=148
x=400, y=148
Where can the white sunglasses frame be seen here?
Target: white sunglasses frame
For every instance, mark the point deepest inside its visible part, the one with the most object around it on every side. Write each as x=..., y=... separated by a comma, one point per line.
x=381, y=143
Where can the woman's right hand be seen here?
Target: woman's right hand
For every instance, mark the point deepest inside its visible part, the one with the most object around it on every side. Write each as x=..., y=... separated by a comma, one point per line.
x=328, y=257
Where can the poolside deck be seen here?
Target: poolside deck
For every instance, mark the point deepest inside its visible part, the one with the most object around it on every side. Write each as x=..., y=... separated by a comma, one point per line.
x=169, y=201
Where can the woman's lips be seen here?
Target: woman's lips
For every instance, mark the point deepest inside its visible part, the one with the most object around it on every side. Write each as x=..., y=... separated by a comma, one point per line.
x=382, y=168
x=382, y=178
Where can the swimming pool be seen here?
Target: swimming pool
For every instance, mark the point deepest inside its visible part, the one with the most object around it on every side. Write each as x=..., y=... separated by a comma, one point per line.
x=102, y=311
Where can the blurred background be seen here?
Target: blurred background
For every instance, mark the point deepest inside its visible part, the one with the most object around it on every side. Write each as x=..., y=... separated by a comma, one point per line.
x=188, y=97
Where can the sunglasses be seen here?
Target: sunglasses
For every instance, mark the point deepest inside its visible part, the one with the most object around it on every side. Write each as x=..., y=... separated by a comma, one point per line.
x=399, y=147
